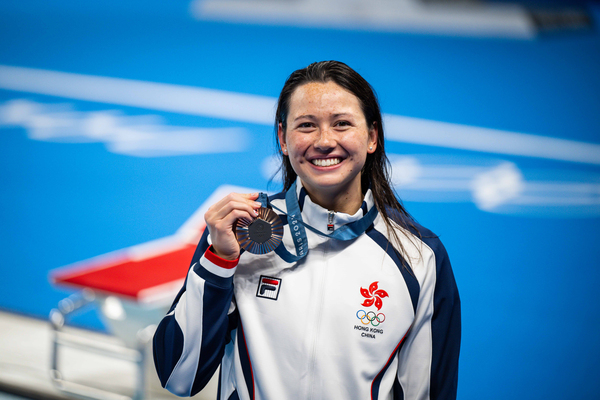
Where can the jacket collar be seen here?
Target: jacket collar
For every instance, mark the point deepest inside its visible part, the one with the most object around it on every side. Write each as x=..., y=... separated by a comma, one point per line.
x=317, y=216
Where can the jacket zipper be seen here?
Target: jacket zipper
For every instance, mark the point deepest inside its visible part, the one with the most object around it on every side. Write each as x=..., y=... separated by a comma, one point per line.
x=321, y=296
x=330, y=225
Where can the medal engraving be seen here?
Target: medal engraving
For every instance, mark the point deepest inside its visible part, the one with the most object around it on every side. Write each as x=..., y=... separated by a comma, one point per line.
x=262, y=235
x=260, y=231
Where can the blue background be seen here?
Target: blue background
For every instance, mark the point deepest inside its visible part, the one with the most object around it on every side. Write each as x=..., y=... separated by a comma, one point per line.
x=528, y=280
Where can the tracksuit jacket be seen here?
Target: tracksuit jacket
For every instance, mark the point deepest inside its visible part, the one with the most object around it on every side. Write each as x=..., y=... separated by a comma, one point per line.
x=348, y=321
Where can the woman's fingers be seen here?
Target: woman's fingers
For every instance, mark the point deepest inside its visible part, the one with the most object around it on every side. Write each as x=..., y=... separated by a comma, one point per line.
x=222, y=217
x=226, y=210
x=227, y=224
x=223, y=206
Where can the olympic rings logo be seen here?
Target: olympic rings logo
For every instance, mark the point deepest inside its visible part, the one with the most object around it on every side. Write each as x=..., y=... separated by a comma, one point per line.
x=370, y=317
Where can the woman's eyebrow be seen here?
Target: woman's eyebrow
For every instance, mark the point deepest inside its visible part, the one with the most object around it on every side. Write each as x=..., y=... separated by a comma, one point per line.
x=309, y=116
x=342, y=115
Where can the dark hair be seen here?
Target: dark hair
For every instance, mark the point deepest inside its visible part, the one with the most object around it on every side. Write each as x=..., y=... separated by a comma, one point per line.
x=375, y=173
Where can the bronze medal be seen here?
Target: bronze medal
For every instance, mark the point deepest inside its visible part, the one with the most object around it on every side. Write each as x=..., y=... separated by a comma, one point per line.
x=262, y=235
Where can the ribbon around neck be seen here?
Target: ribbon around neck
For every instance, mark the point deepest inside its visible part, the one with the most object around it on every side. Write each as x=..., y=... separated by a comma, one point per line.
x=297, y=226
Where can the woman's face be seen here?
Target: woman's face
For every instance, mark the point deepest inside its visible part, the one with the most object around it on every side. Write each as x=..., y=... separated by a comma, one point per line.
x=327, y=139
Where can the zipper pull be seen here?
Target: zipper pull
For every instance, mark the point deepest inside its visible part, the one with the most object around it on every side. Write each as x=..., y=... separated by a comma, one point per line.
x=330, y=226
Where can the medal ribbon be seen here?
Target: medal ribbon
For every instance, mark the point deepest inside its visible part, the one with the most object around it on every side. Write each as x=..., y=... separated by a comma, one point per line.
x=297, y=226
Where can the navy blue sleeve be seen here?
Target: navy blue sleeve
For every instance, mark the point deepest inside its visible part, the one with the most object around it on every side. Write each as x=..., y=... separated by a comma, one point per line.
x=429, y=359
x=190, y=340
x=445, y=328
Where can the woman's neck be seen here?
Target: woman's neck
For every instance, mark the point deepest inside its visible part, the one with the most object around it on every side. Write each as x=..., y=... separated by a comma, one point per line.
x=348, y=202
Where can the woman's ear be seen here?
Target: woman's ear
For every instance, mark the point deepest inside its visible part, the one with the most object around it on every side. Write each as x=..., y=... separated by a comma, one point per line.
x=373, y=137
x=281, y=136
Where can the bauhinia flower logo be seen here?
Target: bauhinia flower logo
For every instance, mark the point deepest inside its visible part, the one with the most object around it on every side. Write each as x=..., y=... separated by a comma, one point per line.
x=373, y=296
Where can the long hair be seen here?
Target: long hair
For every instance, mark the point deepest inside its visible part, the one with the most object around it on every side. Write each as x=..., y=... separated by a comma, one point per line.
x=375, y=173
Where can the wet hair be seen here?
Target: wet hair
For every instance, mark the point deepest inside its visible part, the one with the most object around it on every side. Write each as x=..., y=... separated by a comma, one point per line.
x=375, y=173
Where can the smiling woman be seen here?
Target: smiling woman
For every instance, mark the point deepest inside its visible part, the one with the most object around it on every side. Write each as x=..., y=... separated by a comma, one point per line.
x=304, y=326
x=348, y=89
x=327, y=141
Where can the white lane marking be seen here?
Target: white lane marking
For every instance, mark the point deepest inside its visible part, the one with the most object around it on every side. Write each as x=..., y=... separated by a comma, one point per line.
x=133, y=93
x=482, y=20
x=140, y=136
x=465, y=137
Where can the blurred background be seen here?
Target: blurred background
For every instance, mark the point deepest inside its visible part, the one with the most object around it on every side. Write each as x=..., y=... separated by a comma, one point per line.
x=119, y=120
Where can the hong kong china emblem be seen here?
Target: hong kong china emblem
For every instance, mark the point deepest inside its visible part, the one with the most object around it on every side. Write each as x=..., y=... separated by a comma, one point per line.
x=370, y=320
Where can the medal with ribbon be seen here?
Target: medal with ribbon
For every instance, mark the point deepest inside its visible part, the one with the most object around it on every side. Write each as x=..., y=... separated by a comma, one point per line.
x=265, y=233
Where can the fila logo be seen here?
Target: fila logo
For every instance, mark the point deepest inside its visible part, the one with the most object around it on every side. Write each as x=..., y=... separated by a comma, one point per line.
x=268, y=287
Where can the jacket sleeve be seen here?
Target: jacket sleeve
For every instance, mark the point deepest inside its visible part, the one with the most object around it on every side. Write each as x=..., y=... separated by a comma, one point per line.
x=190, y=340
x=428, y=359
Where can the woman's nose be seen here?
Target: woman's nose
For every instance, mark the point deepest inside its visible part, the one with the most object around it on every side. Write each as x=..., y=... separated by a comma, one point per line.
x=325, y=139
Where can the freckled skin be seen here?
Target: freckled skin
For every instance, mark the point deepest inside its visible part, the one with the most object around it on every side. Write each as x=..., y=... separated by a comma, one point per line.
x=324, y=122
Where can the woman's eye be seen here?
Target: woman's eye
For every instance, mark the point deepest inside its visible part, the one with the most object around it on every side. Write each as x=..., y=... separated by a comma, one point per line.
x=342, y=123
x=305, y=125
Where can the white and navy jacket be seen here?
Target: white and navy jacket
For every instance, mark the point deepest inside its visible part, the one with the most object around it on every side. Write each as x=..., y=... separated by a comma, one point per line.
x=349, y=321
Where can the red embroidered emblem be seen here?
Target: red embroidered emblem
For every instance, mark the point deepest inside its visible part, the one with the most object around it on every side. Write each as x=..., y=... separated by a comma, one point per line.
x=373, y=296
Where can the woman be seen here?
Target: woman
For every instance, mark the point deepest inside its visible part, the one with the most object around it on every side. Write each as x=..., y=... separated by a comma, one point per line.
x=363, y=305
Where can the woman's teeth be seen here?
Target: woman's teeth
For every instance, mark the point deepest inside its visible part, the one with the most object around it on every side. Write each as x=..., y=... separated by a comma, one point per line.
x=326, y=162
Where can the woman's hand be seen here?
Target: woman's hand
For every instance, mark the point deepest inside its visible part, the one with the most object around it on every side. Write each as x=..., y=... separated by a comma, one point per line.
x=221, y=218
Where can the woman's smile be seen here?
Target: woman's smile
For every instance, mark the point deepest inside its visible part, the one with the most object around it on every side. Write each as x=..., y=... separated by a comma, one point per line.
x=326, y=162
